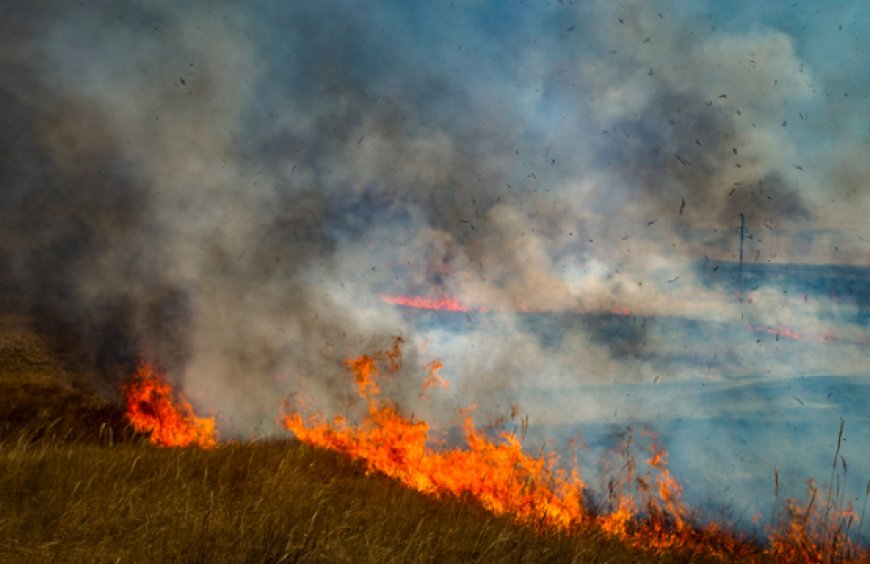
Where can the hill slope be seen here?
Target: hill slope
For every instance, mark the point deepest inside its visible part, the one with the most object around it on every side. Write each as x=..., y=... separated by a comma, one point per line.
x=76, y=485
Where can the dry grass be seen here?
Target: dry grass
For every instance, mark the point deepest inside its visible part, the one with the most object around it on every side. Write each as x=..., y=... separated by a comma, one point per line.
x=39, y=397
x=270, y=502
x=76, y=485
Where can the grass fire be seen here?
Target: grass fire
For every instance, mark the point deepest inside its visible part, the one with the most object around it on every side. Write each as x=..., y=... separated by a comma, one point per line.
x=153, y=410
x=434, y=281
x=315, y=498
x=503, y=479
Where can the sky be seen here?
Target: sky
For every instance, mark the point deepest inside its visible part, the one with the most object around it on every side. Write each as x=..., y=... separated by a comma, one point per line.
x=231, y=190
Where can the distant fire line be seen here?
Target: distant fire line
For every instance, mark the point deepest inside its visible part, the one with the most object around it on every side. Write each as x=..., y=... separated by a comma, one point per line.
x=445, y=303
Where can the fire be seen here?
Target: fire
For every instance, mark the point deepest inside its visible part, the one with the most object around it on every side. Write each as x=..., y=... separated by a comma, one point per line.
x=444, y=303
x=645, y=508
x=153, y=408
x=814, y=532
x=783, y=332
x=498, y=474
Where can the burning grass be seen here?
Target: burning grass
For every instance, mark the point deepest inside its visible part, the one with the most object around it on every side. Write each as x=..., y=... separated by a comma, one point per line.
x=500, y=476
x=264, y=502
x=647, y=511
x=78, y=484
x=85, y=489
x=154, y=409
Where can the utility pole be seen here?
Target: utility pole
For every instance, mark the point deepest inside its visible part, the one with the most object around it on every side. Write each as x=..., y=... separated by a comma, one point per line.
x=740, y=264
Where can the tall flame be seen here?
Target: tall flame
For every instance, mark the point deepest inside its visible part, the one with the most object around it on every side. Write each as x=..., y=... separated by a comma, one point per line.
x=153, y=408
x=499, y=475
x=645, y=509
x=497, y=472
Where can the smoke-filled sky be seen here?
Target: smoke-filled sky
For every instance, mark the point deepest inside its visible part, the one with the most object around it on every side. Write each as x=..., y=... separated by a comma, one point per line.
x=231, y=189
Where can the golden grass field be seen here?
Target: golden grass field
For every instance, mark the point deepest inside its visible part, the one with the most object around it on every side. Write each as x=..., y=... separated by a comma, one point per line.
x=77, y=485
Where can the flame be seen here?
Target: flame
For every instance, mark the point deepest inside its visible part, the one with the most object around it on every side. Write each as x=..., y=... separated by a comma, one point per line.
x=784, y=332
x=444, y=303
x=646, y=509
x=498, y=474
x=816, y=531
x=152, y=408
x=433, y=377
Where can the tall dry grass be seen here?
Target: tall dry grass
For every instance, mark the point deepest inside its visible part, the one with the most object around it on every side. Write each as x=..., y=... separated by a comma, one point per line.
x=822, y=529
x=258, y=502
x=77, y=485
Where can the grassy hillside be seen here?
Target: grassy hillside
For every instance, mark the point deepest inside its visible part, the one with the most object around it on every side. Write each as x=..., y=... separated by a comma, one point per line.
x=39, y=397
x=76, y=485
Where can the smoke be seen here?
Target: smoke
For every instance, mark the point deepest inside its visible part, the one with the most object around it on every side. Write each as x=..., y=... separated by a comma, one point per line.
x=229, y=190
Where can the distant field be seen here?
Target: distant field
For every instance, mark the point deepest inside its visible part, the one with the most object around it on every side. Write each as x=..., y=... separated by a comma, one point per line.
x=77, y=485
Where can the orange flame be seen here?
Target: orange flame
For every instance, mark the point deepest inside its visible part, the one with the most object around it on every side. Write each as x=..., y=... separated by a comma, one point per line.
x=816, y=531
x=646, y=509
x=152, y=408
x=498, y=474
x=444, y=303
x=648, y=513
